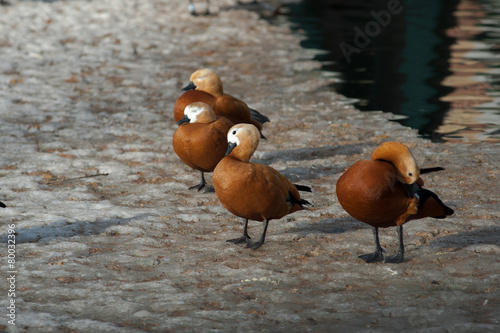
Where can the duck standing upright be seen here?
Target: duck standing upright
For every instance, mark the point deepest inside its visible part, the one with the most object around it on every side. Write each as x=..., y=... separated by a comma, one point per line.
x=201, y=139
x=253, y=191
x=207, y=81
x=387, y=191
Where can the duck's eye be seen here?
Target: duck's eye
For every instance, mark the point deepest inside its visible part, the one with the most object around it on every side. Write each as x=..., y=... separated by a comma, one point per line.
x=410, y=174
x=234, y=132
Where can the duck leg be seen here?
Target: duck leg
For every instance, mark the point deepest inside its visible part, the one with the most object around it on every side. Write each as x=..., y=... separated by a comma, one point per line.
x=202, y=185
x=258, y=244
x=244, y=238
x=400, y=257
x=378, y=255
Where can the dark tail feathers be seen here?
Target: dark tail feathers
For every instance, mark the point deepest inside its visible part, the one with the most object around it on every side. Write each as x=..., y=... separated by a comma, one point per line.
x=302, y=188
x=301, y=202
x=257, y=116
x=424, y=195
x=429, y=170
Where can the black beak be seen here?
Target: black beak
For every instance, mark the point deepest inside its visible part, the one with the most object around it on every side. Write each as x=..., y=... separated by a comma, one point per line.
x=184, y=119
x=410, y=190
x=230, y=147
x=190, y=86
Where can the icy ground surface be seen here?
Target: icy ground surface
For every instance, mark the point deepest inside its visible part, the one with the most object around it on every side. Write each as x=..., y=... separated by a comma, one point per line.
x=109, y=239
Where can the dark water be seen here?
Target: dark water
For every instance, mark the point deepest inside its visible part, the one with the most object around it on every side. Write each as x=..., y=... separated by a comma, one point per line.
x=435, y=63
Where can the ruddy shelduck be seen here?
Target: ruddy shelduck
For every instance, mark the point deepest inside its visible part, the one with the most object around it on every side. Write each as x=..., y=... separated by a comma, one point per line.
x=253, y=191
x=387, y=191
x=189, y=97
x=201, y=140
x=225, y=105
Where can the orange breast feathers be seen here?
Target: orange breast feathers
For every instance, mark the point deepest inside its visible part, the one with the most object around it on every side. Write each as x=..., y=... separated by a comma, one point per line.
x=254, y=191
x=201, y=142
x=370, y=192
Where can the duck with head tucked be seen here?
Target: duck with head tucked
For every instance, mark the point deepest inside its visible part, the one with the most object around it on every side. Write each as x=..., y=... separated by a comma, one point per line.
x=189, y=97
x=206, y=81
x=253, y=191
x=387, y=191
x=200, y=141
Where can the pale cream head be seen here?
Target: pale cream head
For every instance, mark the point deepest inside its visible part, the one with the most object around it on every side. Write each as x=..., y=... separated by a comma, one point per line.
x=401, y=157
x=206, y=80
x=199, y=112
x=245, y=139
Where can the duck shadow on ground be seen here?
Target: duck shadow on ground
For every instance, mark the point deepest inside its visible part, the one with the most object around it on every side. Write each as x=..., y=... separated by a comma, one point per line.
x=307, y=154
x=482, y=236
x=329, y=226
x=313, y=171
x=66, y=229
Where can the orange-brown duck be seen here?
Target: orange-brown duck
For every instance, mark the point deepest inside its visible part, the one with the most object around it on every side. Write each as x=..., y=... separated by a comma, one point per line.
x=386, y=191
x=201, y=139
x=224, y=105
x=253, y=191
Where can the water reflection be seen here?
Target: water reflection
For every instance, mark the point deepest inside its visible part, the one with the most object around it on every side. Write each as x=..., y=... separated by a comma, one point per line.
x=475, y=69
x=435, y=63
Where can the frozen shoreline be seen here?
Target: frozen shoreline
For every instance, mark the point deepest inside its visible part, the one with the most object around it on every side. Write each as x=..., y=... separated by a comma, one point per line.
x=88, y=88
